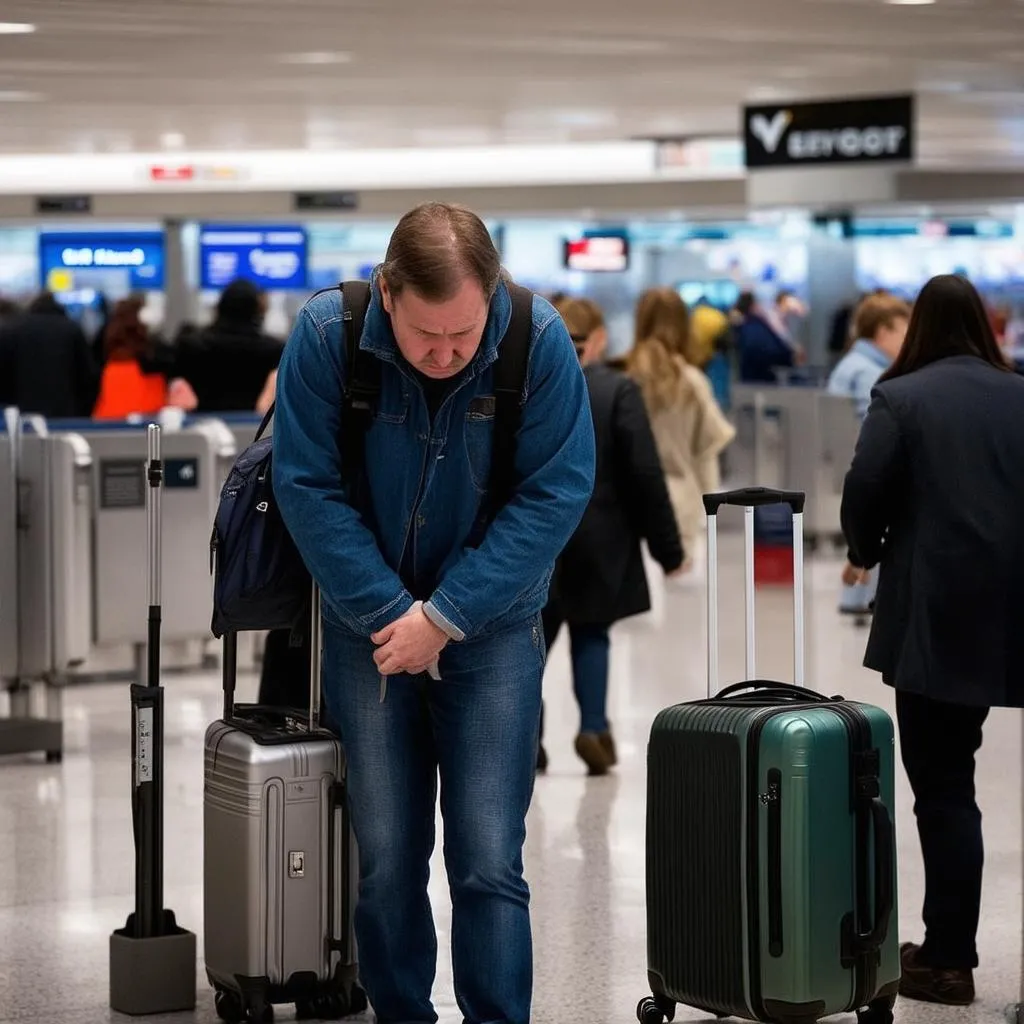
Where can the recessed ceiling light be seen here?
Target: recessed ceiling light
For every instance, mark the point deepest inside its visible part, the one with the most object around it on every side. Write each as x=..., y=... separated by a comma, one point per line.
x=910, y=3
x=16, y=28
x=316, y=57
x=19, y=96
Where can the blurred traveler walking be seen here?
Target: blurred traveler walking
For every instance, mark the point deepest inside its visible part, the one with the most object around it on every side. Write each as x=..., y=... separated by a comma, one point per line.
x=228, y=362
x=689, y=427
x=600, y=576
x=936, y=496
x=433, y=582
x=46, y=366
x=760, y=342
x=879, y=327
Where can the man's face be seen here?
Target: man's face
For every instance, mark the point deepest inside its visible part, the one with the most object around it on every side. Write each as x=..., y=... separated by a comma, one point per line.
x=438, y=338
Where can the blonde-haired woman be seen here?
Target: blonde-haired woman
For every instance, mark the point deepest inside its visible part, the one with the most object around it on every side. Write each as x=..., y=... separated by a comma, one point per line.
x=689, y=427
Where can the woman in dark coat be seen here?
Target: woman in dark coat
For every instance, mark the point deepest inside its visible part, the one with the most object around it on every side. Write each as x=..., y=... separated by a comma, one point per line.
x=936, y=496
x=600, y=576
x=228, y=363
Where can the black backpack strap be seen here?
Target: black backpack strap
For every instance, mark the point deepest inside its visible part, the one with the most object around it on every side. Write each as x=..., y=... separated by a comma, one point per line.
x=509, y=384
x=362, y=380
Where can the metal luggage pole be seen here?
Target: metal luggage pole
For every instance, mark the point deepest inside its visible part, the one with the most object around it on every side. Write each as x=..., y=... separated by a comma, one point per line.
x=152, y=960
x=148, y=703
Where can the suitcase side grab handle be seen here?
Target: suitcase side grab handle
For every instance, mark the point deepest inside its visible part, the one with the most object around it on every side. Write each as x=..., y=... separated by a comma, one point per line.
x=858, y=944
x=885, y=866
x=754, y=497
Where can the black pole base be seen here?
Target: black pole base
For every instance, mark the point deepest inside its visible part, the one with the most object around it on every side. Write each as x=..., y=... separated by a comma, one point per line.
x=154, y=975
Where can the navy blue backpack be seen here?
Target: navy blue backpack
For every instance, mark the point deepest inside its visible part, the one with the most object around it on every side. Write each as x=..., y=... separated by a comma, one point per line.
x=260, y=580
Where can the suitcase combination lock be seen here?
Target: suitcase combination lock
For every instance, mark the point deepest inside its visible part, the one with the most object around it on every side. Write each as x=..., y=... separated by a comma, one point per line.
x=296, y=864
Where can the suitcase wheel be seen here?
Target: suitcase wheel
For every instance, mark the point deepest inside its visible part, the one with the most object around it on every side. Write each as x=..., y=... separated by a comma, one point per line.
x=358, y=1003
x=655, y=1010
x=878, y=1012
x=228, y=1006
x=232, y=1010
x=332, y=1005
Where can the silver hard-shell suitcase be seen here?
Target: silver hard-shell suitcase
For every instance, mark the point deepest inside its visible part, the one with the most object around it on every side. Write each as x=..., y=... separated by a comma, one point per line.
x=280, y=867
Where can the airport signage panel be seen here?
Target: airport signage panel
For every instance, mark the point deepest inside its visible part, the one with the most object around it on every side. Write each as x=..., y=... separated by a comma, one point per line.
x=326, y=200
x=63, y=204
x=273, y=257
x=860, y=131
x=598, y=253
x=67, y=257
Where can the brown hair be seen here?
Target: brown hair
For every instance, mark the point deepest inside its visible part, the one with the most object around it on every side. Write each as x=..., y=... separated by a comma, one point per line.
x=949, y=319
x=876, y=312
x=582, y=317
x=662, y=343
x=126, y=336
x=435, y=247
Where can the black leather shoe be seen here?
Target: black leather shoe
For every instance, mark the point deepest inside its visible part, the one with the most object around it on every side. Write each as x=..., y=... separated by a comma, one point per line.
x=592, y=752
x=946, y=986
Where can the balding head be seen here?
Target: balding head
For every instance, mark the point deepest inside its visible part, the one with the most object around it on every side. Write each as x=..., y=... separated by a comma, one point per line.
x=435, y=248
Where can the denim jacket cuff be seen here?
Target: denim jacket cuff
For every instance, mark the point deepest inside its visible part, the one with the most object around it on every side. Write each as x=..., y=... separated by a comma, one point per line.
x=395, y=609
x=443, y=619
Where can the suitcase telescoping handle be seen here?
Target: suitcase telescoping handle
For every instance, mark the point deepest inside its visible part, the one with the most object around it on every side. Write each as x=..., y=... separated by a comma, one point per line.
x=750, y=498
x=315, y=659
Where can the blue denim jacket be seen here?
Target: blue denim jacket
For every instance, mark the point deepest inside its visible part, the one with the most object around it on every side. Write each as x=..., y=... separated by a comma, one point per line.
x=858, y=372
x=427, y=482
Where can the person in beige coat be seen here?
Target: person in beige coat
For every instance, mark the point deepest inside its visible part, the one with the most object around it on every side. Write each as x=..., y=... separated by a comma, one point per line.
x=690, y=429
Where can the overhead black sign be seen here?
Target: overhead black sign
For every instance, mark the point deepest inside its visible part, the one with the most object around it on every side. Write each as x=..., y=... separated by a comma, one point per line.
x=63, y=204
x=326, y=200
x=870, y=130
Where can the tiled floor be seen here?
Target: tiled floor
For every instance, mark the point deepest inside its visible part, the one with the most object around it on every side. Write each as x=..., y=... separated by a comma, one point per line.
x=66, y=846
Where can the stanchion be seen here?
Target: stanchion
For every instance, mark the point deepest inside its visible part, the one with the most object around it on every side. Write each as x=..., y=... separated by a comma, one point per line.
x=152, y=960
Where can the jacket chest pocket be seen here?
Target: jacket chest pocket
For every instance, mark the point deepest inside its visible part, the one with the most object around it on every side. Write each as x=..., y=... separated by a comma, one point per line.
x=479, y=434
x=393, y=408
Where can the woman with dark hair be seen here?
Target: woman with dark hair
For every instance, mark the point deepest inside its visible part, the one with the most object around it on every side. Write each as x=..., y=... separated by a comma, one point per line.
x=935, y=495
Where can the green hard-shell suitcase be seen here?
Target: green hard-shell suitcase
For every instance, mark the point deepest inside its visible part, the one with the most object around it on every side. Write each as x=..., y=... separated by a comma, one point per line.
x=771, y=867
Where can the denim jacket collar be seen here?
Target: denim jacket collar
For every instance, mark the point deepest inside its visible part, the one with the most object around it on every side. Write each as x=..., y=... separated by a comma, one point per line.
x=379, y=339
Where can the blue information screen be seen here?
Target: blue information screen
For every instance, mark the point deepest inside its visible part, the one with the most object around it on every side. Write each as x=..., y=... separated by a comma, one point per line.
x=272, y=257
x=116, y=262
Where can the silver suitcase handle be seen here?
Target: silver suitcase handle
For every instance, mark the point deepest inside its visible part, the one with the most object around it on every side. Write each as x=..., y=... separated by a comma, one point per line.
x=749, y=498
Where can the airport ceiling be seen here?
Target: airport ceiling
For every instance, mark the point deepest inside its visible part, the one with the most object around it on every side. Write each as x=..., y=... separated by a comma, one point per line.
x=142, y=75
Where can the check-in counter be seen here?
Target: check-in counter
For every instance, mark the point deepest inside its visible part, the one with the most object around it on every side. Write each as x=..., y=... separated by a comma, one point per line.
x=797, y=438
x=8, y=558
x=54, y=555
x=45, y=578
x=243, y=427
x=197, y=458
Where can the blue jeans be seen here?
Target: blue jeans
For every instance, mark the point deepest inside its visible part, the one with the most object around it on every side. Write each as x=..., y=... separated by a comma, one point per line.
x=477, y=728
x=591, y=647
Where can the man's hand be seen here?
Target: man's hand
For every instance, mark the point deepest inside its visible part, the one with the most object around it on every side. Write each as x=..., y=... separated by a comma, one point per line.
x=852, y=575
x=410, y=644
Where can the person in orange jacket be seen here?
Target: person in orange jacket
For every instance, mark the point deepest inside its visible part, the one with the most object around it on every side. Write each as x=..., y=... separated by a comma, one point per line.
x=127, y=387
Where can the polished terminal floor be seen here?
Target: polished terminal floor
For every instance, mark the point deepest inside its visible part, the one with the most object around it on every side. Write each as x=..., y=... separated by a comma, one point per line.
x=66, y=845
